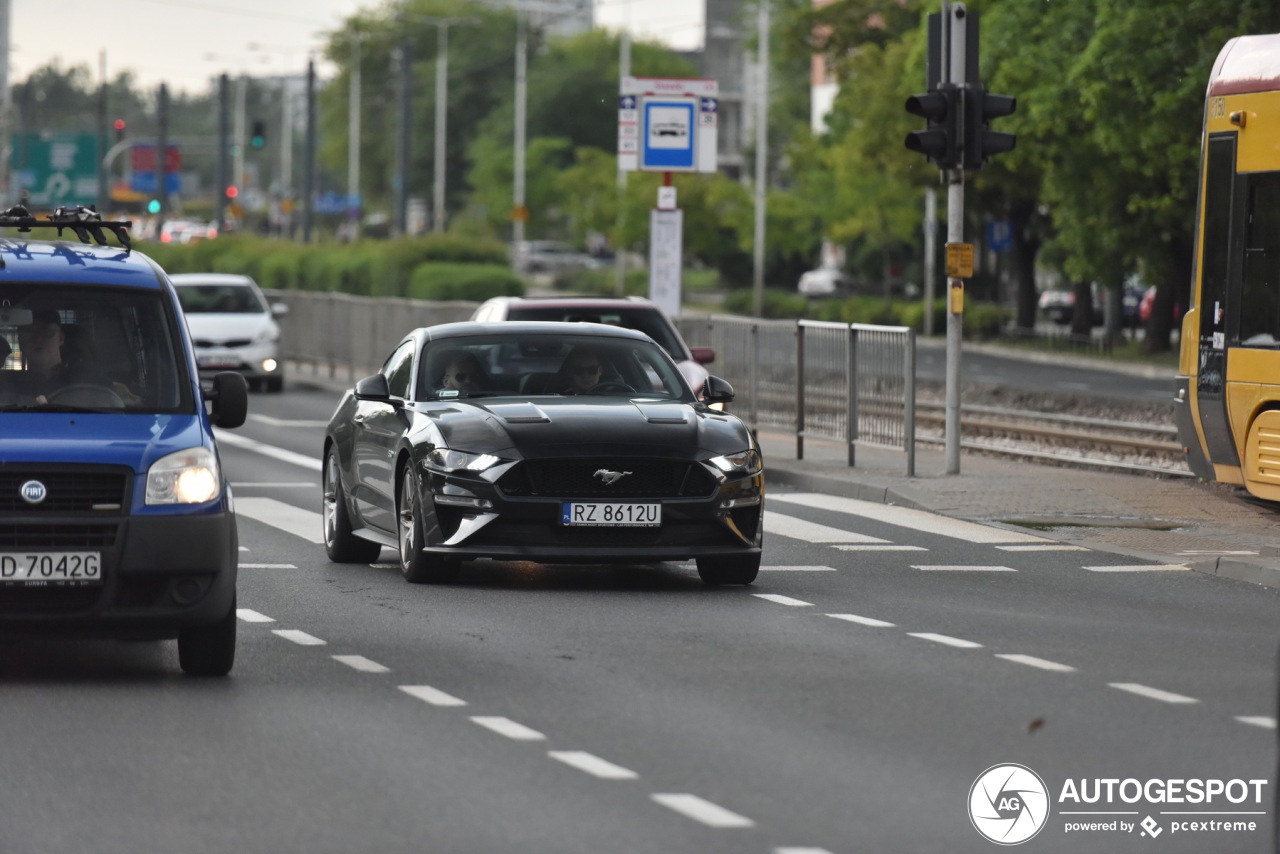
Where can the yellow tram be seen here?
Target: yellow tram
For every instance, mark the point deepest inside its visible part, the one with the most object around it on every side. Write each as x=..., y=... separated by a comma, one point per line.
x=1228, y=390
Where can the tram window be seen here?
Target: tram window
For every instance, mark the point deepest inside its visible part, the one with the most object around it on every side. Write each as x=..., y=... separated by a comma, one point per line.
x=1260, y=297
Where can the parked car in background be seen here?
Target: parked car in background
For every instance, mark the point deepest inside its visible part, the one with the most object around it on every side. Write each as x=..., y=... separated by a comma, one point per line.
x=186, y=231
x=233, y=327
x=823, y=282
x=1148, y=303
x=551, y=257
x=629, y=312
x=550, y=442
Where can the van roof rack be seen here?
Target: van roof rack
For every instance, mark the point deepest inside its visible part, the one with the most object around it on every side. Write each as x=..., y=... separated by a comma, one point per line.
x=83, y=220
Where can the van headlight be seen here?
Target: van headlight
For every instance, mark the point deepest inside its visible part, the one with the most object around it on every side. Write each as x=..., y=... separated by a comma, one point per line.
x=743, y=462
x=184, y=477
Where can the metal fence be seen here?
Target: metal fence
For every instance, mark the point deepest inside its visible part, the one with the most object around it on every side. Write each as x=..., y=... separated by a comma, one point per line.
x=852, y=383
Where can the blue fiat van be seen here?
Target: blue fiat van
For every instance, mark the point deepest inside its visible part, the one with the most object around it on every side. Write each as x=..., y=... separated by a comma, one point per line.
x=115, y=517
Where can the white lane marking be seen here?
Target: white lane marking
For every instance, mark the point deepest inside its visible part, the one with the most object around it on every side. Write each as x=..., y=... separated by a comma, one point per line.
x=268, y=566
x=1057, y=548
x=286, y=517
x=251, y=616
x=698, y=809
x=1217, y=552
x=946, y=639
x=1257, y=720
x=878, y=548
x=287, y=422
x=593, y=765
x=244, y=548
x=797, y=569
x=240, y=484
x=364, y=665
x=862, y=621
x=509, y=728
x=783, y=600
x=1152, y=693
x=790, y=849
x=1032, y=661
x=1158, y=567
x=225, y=437
x=298, y=637
x=432, y=696
x=957, y=568
x=782, y=525
x=906, y=517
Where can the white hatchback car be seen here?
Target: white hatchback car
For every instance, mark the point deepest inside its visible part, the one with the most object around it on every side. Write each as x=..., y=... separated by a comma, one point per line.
x=232, y=326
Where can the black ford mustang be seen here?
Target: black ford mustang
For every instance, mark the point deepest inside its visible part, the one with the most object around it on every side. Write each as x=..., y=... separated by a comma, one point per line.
x=550, y=442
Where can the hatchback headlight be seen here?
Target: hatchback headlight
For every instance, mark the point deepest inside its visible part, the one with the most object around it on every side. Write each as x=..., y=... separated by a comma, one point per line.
x=447, y=459
x=743, y=462
x=267, y=336
x=184, y=477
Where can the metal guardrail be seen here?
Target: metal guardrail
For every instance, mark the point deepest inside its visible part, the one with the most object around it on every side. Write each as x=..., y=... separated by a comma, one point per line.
x=852, y=383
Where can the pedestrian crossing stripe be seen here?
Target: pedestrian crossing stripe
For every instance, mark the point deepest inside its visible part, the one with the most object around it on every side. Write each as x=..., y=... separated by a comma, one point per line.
x=906, y=517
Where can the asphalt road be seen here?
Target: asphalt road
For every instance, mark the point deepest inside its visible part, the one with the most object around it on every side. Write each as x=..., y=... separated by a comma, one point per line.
x=847, y=702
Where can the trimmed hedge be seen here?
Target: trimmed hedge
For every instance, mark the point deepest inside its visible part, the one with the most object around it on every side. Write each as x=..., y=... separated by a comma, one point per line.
x=477, y=282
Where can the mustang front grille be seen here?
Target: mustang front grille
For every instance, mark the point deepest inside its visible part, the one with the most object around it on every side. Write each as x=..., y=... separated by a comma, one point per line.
x=604, y=479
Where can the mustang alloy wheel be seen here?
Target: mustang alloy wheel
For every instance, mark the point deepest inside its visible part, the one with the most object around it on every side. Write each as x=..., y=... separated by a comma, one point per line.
x=417, y=566
x=339, y=543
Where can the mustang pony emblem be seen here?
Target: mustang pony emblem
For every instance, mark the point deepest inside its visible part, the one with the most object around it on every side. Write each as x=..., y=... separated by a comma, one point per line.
x=610, y=477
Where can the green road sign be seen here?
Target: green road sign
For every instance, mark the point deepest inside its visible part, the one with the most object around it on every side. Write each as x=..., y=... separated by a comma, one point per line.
x=56, y=168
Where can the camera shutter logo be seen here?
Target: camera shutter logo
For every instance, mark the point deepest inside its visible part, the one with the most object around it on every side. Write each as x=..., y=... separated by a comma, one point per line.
x=33, y=492
x=1008, y=804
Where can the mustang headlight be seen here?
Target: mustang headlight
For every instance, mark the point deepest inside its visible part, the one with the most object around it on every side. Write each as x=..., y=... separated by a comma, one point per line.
x=447, y=459
x=743, y=462
x=183, y=477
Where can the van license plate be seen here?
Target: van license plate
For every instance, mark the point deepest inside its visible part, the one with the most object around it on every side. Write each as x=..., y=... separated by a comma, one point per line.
x=56, y=568
x=609, y=514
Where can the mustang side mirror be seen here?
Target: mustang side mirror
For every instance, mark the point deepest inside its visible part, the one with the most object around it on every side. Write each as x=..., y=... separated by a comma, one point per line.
x=373, y=388
x=716, y=390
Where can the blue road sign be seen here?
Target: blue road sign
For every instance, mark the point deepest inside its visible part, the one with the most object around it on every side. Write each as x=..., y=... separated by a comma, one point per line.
x=667, y=136
x=1000, y=236
x=710, y=105
x=627, y=102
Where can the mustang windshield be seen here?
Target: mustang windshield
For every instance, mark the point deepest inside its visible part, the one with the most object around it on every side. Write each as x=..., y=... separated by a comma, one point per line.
x=98, y=349
x=540, y=364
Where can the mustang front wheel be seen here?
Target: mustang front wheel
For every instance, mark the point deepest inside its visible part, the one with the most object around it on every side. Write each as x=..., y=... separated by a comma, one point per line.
x=417, y=566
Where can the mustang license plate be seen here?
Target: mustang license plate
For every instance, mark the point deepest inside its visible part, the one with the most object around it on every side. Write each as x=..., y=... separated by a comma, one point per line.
x=609, y=514
x=55, y=568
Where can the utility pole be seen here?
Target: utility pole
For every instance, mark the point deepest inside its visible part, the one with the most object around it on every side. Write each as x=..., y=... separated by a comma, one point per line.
x=313, y=132
x=401, y=182
x=619, y=251
x=104, y=188
x=6, y=109
x=162, y=155
x=520, y=213
x=442, y=118
x=224, y=144
x=954, y=21
x=353, y=140
x=762, y=158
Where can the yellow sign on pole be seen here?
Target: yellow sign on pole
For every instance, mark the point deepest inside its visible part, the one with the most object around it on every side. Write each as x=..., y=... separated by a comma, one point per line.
x=955, y=297
x=959, y=260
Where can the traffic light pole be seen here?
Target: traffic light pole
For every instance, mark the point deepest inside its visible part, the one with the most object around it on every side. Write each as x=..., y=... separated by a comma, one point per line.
x=953, y=18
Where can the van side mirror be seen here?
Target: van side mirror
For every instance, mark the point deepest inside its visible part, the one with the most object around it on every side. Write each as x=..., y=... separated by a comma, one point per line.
x=230, y=399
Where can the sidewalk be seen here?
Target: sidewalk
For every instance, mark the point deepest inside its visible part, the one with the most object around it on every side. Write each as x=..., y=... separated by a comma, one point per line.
x=1209, y=528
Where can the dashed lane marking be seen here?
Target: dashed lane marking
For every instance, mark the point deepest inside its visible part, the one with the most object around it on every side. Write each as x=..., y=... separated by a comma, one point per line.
x=781, y=525
x=286, y=517
x=509, y=728
x=945, y=639
x=1032, y=661
x=1152, y=693
x=958, y=568
x=879, y=548
x=593, y=765
x=1158, y=567
x=251, y=616
x=701, y=810
x=272, y=421
x=432, y=696
x=1257, y=720
x=797, y=569
x=225, y=437
x=794, y=850
x=241, y=484
x=298, y=637
x=906, y=517
x=359, y=662
x=783, y=600
x=1060, y=547
x=268, y=566
x=862, y=621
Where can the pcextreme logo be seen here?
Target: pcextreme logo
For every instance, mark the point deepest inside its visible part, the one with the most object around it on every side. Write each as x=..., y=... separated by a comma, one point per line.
x=1008, y=804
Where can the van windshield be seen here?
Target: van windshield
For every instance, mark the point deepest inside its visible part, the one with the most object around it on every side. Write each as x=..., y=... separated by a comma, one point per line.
x=96, y=349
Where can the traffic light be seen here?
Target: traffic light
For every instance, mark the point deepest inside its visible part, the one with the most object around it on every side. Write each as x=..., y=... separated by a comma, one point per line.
x=232, y=191
x=258, y=138
x=980, y=142
x=153, y=206
x=941, y=108
x=119, y=126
